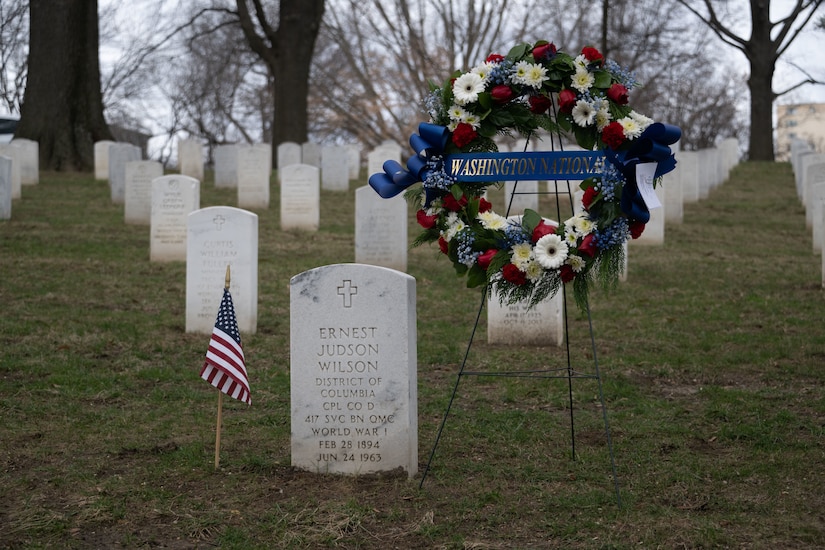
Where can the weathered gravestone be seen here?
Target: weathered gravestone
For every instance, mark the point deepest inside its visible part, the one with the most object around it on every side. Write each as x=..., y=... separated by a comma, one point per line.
x=814, y=174
x=190, y=158
x=226, y=166
x=254, y=170
x=687, y=170
x=5, y=188
x=334, y=168
x=353, y=370
x=380, y=229
x=816, y=196
x=520, y=195
x=101, y=152
x=300, y=197
x=517, y=324
x=354, y=161
x=311, y=154
x=12, y=152
x=216, y=237
x=288, y=153
x=119, y=155
x=382, y=153
x=138, y=195
x=29, y=161
x=173, y=198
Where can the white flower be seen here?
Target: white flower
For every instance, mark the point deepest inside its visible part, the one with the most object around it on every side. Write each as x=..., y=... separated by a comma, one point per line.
x=533, y=270
x=641, y=120
x=467, y=87
x=483, y=70
x=575, y=262
x=522, y=254
x=457, y=113
x=529, y=74
x=583, y=113
x=630, y=127
x=570, y=237
x=551, y=251
x=580, y=225
x=472, y=119
x=454, y=226
x=582, y=80
x=580, y=62
x=491, y=220
x=603, y=114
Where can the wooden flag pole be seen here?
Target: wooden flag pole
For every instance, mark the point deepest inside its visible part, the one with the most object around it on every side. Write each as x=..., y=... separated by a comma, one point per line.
x=220, y=405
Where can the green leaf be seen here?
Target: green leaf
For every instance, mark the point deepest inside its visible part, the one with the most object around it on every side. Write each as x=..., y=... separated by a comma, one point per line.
x=456, y=191
x=602, y=79
x=530, y=219
x=476, y=277
x=517, y=52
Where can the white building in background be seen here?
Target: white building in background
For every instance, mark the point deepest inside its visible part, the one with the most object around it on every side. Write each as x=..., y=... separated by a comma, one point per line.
x=803, y=121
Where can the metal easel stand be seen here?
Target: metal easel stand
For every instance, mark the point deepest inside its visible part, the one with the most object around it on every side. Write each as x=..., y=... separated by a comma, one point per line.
x=567, y=372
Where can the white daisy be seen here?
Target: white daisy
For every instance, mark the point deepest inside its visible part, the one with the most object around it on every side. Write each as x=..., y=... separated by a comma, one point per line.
x=583, y=113
x=483, y=71
x=467, y=87
x=491, y=220
x=551, y=251
x=457, y=113
x=602, y=118
x=472, y=119
x=641, y=120
x=631, y=128
x=580, y=63
x=454, y=226
x=582, y=80
x=570, y=237
x=529, y=74
x=575, y=262
x=522, y=254
x=533, y=270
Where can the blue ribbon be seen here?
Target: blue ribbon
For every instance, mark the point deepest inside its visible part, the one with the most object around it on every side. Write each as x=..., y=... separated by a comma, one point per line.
x=429, y=142
x=652, y=146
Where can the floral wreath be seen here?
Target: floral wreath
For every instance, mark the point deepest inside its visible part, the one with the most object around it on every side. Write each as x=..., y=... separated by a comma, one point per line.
x=533, y=87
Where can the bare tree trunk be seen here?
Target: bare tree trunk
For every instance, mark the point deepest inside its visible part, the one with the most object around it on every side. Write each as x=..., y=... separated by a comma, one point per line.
x=63, y=107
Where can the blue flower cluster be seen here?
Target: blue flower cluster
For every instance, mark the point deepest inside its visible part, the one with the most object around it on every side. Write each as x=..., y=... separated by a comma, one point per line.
x=501, y=72
x=611, y=181
x=625, y=77
x=434, y=104
x=514, y=234
x=436, y=177
x=614, y=234
x=465, y=252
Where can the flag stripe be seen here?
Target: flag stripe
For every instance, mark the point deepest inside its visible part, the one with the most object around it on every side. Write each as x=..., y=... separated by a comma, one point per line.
x=225, y=365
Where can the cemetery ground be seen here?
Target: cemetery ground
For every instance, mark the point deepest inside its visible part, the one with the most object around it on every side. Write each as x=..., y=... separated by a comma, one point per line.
x=711, y=357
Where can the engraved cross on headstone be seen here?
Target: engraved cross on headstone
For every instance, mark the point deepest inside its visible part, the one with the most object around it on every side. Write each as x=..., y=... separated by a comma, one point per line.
x=218, y=221
x=347, y=291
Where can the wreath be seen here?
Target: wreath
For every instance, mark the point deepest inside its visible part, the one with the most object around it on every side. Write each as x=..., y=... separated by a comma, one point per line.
x=535, y=86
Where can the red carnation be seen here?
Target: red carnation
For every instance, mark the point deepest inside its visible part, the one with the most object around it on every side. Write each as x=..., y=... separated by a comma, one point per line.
x=617, y=93
x=453, y=205
x=542, y=229
x=425, y=221
x=443, y=245
x=485, y=259
x=593, y=55
x=513, y=275
x=502, y=93
x=545, y=51
x=484, y=205
x=589, y=195
x=636, y=229
x=463, y=134
x=539, y=103
x=613, y=135
x=588, y=245
x=566, y=273
x=494, y=58
x=567, y=100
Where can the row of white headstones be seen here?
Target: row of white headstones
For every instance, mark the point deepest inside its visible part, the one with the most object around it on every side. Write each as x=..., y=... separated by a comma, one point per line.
x=808, y=167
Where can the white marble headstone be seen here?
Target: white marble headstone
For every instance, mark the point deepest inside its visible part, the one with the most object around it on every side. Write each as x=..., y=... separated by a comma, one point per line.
x=380, y=229
x=816, y=196
x=226, y=166
x=216, y=237
x=524, y=195
x=12, y=152
x=29, y=160
x=5, y=188
x=254, y=170
x=516, y=324
x=378, y=156
x=288, y=153
x=353, y=370
x=354, y=154
x=174, y=197
x=138, y=194
x=687, y=169
x=300, y=197
x=101, y=153
x=311, y=154
x=814, y=174
x=334, y=168
x=119, y=155
x=654, y=232
x=190, y=158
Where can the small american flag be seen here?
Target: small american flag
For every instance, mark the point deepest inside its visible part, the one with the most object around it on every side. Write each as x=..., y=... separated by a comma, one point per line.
x=225, y=367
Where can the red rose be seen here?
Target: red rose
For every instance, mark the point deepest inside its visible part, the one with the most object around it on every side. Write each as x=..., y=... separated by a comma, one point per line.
x=567, y=100
x=593, y=55
x=613, y=135
x=501, y=93
x=453, y=205
x=494, y=58
x=589, y=195
x=513, y=274
x=463, y=134
x=636, y=229
x=485, y=259
x=443, y=245
x=425, y=221
x=588, y=245
x=545, y=51
x=539, y=103
x=618, y=93
x=542, y=229
x=566, y=273
x=484, y=205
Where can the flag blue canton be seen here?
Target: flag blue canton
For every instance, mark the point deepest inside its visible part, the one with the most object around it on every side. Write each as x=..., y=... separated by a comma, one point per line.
x=225, y=366
x=226, y=320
